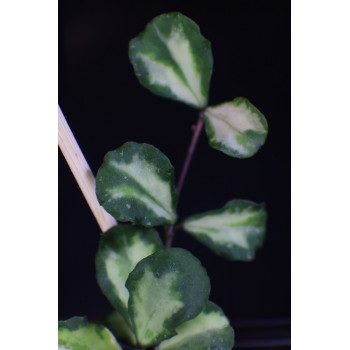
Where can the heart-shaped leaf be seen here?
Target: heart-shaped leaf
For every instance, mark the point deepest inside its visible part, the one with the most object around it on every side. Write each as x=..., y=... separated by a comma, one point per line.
x=120, y=249
x=166, y=289
x=172, y=59
x=236, y=128
x=136, y=183
x=234, y=231
x=210, y=330
x=77, y=333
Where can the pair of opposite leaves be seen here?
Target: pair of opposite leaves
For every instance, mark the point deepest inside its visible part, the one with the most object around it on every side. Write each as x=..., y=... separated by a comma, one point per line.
x=172, y=59
x=136, y=182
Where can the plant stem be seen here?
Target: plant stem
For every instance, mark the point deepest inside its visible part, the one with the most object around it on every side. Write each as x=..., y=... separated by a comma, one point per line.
x=82, y=172
x=192, y=147
x=169, y=237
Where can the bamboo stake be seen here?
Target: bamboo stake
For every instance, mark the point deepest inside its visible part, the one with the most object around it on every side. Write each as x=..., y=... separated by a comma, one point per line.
x=82, y=172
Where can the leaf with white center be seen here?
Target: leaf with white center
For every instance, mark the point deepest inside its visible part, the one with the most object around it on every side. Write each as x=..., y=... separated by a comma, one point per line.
x=136, y=183
x=120, y=249
x=236, y=128
x=77, y=333
x=172, y=59
x=166, y=289
x=210, y=330
x=116, y=323
x=234, y=232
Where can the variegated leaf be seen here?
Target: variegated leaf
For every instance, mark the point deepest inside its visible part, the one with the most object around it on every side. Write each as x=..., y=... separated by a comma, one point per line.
x=120, y=249
x=116, y=323
x=234, y=232
x=166, y=289
x=210, y=330
x=236, y=128
x=77, y=333
x=136, y=183
x=172, y=59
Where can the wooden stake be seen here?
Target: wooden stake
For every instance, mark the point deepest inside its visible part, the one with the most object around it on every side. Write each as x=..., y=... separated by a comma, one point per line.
x=82, y=172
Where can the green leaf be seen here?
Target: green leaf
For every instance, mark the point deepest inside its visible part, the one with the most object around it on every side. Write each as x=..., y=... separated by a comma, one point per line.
x=236, y=128
x=116, y=323
x=136, y=183
x=120, y=249
x=172, y=59
x=234, y=231
x=166, y=289
x=210, y=330
x=77, y=333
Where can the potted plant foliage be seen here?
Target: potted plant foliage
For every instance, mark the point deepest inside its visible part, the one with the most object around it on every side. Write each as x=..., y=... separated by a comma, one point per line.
x=158, y=255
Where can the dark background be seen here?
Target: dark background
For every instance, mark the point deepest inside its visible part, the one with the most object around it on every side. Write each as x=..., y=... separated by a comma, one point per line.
x=106, y=106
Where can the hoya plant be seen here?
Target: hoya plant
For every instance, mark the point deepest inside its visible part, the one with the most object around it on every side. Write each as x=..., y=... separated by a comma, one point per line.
x=161, y=293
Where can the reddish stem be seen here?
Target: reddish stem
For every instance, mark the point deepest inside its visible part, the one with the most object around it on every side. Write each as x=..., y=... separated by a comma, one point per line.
x=195, y=137
x=196, y=133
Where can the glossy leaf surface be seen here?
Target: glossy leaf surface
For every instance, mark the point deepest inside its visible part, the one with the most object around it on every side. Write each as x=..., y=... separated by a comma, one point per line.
x=77, y=333
x=236, y=128
x=136, y=183
x=120, y=249
x=235, y=232
x=172, y=59
x=210, y=330
x=166, y=289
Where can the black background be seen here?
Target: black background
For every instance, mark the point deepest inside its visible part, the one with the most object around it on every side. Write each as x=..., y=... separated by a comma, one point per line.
x=106, y=106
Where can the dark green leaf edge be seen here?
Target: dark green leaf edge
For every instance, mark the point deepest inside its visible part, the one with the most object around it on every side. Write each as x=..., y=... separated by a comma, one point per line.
x=80, y=322
x=214, y=339
x=107, y=178
x=194, y=288
x=202, y=44
x=117, y=237
x=257, y=139
x=235, y=252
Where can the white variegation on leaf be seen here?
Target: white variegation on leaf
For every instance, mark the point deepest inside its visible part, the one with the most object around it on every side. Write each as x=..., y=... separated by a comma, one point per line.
x=235, y=231
x=166, y=289
x=172, y=59
x=136, y=183
x=236, y=128
x=120, y=249
x=210, y=330
x=77, y=333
